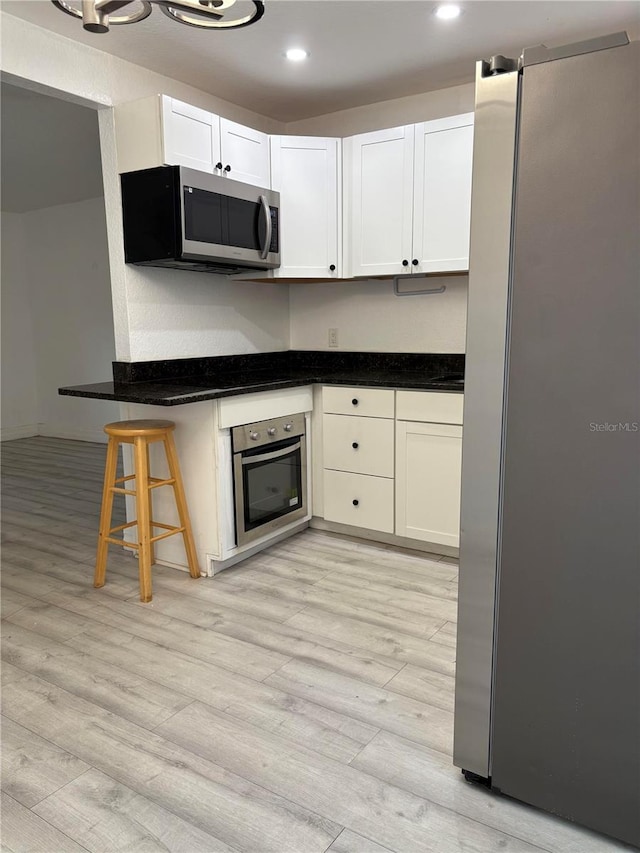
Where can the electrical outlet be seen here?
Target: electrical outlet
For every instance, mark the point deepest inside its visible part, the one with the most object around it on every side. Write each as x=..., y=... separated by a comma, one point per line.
x=333, y=337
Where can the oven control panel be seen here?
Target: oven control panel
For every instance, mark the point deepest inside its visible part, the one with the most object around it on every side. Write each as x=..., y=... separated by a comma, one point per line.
x=267, y=432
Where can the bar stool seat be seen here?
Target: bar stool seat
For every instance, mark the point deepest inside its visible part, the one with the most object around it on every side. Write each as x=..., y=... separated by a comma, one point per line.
x=142, y=433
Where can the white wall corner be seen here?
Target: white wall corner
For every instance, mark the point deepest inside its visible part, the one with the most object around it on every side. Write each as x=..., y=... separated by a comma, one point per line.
x=23, y=431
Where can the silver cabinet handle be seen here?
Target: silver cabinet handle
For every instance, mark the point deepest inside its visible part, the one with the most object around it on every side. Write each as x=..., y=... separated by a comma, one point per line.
x=267, y=212
x=265, y=457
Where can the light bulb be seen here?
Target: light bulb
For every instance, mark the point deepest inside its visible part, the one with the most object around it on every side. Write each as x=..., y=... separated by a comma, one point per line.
x=448, y=11
x=296, y=54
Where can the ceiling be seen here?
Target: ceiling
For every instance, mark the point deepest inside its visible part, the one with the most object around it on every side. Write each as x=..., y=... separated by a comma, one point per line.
x=50, y=151
x=362, y=51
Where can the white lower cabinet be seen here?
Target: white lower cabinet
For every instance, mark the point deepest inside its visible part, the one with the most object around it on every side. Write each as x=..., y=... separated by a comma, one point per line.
x=359, y=500
x=428, y=470
x=391, y=462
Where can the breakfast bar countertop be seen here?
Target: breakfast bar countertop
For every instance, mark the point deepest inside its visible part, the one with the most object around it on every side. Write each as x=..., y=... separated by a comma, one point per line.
x=180, y=381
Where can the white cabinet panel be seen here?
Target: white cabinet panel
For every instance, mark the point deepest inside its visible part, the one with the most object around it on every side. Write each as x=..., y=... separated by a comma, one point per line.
x=381, y=196
x=431, y=406
x=359, y=445
x=305, y=171
x=244, y=153
x=359, y=500
x=191, y=136
x=428, y=477
x=442, y=194
x=363, y=402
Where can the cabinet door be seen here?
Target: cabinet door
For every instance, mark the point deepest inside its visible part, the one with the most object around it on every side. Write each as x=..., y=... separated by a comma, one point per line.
x=442, y=194
x=428, y=468
x=380, y=201
x=246, y=152
x=305, y=171
x=191, y=136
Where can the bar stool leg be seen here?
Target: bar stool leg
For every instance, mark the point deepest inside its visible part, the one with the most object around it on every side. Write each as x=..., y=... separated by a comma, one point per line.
x=152, y=547
x=181, y=503
x=144, y=517
x=110, y=470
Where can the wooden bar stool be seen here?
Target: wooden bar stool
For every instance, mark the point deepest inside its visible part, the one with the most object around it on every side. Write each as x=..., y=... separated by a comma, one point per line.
x=142, y=433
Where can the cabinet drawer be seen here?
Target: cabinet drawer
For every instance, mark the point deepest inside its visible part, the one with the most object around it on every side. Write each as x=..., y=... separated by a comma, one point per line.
x=373, y=496
x=364, y=402
x=430, y=407
x=359, y=445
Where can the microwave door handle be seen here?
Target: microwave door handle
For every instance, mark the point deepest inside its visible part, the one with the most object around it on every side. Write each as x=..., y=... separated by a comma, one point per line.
x=265, y=457
x=267, y=214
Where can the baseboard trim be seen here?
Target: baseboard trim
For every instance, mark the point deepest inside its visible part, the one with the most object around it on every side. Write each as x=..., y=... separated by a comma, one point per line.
x=23, y=431
x=73, y=432
x=426, y=548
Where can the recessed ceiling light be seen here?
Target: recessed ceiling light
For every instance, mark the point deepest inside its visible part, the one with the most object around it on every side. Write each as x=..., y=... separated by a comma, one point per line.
x=448, y=11
x=296, y=54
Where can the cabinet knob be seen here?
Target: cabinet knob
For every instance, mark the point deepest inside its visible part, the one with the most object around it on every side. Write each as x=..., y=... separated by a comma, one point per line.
x=227, y=168
x=415, y=262
x=405, y=263
x=355, y=502
x=219, y=165
x=332, y=267
x=355, y=401
x=355, y=445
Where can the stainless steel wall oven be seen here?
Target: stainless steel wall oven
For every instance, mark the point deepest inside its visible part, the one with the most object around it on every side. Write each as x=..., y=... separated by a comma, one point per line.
x=269, y=475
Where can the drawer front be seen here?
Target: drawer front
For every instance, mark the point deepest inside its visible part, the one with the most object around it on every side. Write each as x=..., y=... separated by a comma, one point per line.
x=373, y=509
x=430, y=407
x=364, y=402
x=359, y=445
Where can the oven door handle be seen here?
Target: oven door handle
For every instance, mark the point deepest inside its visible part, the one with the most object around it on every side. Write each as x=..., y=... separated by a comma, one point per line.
x=265, y=457
x=266, y=210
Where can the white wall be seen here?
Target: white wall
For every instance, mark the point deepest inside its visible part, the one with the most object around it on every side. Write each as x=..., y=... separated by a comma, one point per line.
x=366, y=313
x=57, y=325
x=19, y=392
x=69, y=282
x=162, y=314
x=370, y=318
x=157, y=314
x=189, y=314
x=413, y=108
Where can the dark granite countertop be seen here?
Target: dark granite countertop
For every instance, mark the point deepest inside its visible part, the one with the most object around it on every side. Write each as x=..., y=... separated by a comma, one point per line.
x=180, y=381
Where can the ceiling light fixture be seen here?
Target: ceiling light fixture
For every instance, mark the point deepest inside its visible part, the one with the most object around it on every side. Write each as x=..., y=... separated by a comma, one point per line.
x=448, y=11
x=296, y=54
x=98, y=15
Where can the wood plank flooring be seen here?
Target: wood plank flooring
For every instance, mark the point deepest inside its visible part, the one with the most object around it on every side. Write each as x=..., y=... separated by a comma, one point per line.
x=301, y=701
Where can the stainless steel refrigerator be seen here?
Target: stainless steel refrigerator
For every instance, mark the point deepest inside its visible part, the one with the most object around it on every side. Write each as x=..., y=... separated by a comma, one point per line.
x=548, y=670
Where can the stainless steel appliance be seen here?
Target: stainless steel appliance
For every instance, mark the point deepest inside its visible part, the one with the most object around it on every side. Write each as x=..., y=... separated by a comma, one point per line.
x=185, y=219
x=548, y=665
x=269, y=475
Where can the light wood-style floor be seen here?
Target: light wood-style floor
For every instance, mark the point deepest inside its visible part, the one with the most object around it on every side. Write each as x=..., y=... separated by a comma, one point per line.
x=302, y=701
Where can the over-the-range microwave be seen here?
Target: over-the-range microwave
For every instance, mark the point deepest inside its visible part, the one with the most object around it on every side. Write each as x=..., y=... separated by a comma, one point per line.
x=185, y=219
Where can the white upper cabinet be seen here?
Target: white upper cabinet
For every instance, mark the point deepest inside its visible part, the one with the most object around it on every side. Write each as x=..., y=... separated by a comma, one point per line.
x=305, y=170
x=191, y=136
x=442, y=194
x=409, y=198
x=160, y=131
x=244, y=153
x=379, y=199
